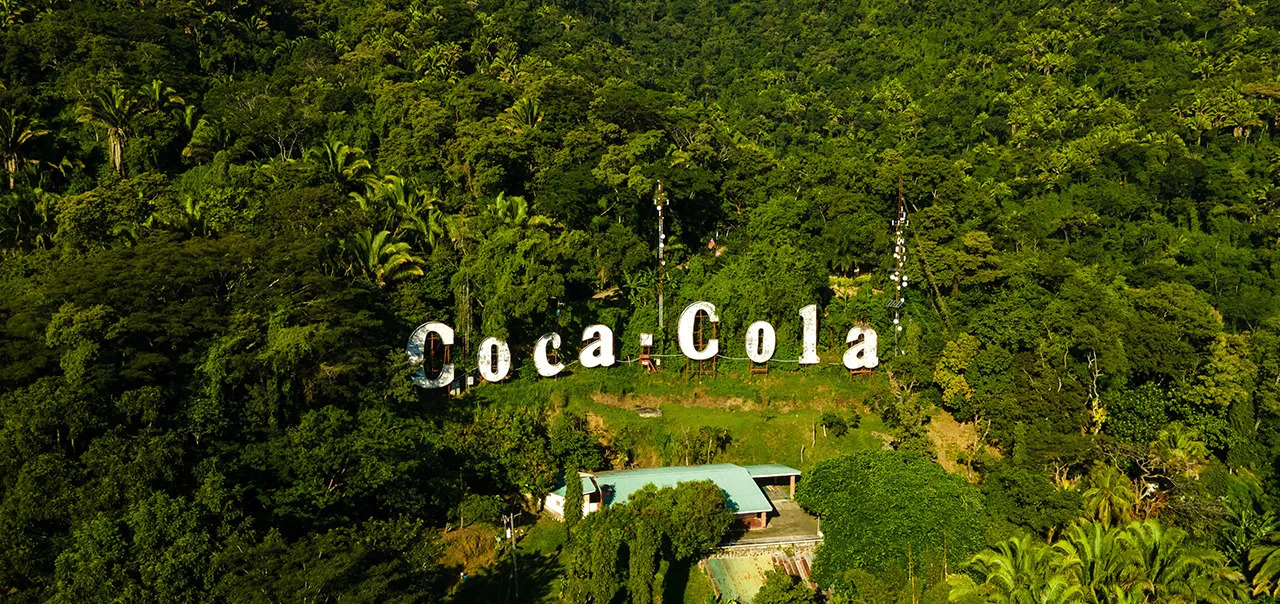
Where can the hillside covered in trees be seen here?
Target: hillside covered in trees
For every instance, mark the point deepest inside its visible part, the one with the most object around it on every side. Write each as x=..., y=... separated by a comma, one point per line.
x=221, y=219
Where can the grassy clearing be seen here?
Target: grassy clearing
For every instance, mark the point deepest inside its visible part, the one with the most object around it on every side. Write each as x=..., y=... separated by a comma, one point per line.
x=758, y=436
x=470, y=549
x=732, y=387
x=770, y=419
x=546, y=536
x=534, y=576
x=698, y=589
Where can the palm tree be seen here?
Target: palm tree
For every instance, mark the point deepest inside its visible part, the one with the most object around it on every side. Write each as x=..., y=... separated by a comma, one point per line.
x=1018, y=571
x=1099, y=561
x=441, y=59
x=410, y=209
x=208, y=135
x=382, y=260
x=397, y=193
x=433, y=228
x=506, y=64
x=429, y=223
x=1168, y=568
x=514, y=211
x=1110, y=496
x=1264, y=559
x=16, y=131
x=1181, y=449
x=114, y=112
x=524, y=116
x=159, y=96
x=1120, y=595
x=344, y=164
x=375, y=189
x=189, y=219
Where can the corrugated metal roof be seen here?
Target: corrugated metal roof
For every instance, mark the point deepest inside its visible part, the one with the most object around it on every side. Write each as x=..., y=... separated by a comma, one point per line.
x=587, y=486
x=771, y=470
x=742, y=493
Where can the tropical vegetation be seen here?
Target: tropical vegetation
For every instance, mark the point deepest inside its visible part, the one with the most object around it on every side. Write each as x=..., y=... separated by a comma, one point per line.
x=220, y=220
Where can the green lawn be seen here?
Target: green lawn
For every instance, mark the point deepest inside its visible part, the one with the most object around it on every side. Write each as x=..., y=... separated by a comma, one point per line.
x=534, y=577
x=771, y=419
x=782, y=388
x=758, y=436
x=698, y=589
x=544, y=537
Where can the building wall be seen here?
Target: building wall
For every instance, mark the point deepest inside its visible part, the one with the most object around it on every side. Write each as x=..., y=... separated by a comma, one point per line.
x=555, y=504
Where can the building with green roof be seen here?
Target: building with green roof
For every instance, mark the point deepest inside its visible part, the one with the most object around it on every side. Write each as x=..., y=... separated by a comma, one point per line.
x=739, y=484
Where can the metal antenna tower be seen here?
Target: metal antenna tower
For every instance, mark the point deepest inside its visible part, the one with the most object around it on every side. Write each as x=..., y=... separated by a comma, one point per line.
x=660, y=200
x=899, y=277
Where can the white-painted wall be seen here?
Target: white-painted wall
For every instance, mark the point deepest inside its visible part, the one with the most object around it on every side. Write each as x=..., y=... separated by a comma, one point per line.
x=555, y=504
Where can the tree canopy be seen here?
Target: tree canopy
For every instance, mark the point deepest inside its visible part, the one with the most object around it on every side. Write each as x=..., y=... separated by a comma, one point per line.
x=887, y=510
x=220, y=221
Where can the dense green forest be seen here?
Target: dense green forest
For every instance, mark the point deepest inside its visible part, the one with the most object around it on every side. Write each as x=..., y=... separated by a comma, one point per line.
x=221, y=219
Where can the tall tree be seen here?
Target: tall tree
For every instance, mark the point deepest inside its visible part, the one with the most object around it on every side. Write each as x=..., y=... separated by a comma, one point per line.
x=888, y=510
x=573, y=499
x=1110, y=496
x=16, y=133
x=113, y=111
x=642, y=555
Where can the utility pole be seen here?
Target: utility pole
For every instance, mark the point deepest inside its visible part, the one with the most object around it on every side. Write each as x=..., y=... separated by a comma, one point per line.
x=509, y=521
x=660, y=200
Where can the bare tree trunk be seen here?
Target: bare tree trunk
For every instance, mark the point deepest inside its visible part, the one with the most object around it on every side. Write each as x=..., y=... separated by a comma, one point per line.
x=933, y=284
x=116, y=147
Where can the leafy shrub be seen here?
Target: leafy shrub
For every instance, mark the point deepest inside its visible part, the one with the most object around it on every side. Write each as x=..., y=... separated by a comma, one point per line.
x=886, y=509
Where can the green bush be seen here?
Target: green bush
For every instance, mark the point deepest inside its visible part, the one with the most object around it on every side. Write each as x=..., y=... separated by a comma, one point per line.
x=889, y=509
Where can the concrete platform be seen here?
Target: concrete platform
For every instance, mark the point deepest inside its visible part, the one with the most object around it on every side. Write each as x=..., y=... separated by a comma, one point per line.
x=788, y=524
x=738, y=578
